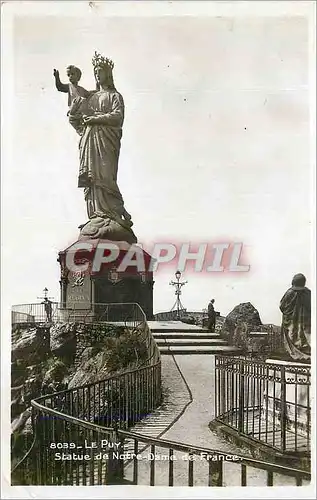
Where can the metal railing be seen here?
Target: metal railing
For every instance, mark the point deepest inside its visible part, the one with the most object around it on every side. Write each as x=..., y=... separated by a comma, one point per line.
x=21, y=317
x=33, y=313
x=209, y=465
x=267, y=402
x=70, y=451
x=129, y=313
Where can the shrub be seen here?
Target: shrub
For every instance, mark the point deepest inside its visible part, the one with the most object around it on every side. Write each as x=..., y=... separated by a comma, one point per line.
x=124, y=350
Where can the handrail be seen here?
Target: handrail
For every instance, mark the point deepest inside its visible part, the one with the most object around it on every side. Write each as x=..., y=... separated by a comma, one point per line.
x=175, y=445
x=242, y=359
x=36, y=401
x=198, y=450
x=81, y=308
x=32, y=304
x=28, y=452
x=38, y=313
x=69, y=418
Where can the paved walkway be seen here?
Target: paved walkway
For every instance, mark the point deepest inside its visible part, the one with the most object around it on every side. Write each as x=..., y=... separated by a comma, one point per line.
x=192, y=428
x=173, y=326
x=175, y=399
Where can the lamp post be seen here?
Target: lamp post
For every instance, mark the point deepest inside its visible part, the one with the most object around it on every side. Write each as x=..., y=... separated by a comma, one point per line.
x=178, y=286
x=46, y=298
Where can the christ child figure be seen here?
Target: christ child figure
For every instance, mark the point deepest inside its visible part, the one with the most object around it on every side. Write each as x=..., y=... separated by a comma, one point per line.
x=72, y=88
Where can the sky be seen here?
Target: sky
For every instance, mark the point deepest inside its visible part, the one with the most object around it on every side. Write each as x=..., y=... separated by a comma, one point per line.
x=216, y=146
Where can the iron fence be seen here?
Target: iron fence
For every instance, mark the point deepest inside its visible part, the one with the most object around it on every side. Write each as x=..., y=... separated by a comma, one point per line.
x=65, y=452
x=112, y=399
x=34, y=313
x=265, y=401
x=70, y=451
x=129, y=313
x=172, y=463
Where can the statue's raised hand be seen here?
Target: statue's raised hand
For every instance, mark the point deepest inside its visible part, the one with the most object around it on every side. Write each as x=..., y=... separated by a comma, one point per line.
x=56, y=73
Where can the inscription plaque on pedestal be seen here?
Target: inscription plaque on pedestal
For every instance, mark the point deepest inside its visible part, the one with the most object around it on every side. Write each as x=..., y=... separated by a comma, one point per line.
x=78, y=293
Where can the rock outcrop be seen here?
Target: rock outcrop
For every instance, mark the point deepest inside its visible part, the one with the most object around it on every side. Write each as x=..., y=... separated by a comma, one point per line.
x=30, y=343
x=243, y=328
x=244, y=314
x=63, y=339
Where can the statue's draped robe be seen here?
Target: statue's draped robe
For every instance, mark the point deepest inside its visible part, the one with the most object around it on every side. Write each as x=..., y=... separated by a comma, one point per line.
x=296, y=325
x=99, y=149
x=75, y=91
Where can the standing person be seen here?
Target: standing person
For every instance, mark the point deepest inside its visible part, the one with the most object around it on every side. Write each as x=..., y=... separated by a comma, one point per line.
x=211, y=316
x=296, y=324
x=48, y=309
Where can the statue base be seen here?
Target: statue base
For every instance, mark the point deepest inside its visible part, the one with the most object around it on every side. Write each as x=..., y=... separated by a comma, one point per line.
x=84, y=291
x=108, y=229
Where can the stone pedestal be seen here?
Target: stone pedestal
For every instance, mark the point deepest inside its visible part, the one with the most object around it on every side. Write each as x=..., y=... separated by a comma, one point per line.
x=85, y=290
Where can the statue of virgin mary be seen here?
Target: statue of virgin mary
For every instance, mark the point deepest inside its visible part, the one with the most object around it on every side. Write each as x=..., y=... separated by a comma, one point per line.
x=99, y=119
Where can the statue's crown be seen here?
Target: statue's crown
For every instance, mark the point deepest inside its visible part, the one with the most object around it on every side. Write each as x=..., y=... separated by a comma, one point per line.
x=99, y=60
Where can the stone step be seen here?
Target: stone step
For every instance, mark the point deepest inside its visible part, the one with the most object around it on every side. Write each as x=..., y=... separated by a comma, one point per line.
x=164, y=335
x=185, y=342
x=179, y=329
x=200, y=350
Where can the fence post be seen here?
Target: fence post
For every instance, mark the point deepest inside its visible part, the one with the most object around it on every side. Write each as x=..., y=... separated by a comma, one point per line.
x=159, y=398
x=241, y=398
x=115, y=463
x=217, y=388
x=222, y=390
x=215, y=474
x=283, y=409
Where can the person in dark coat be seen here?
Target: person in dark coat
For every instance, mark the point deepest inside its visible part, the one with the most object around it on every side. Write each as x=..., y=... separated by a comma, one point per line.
x=48, y=309
x=211, y=316
x=296, y=324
